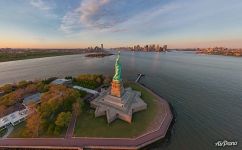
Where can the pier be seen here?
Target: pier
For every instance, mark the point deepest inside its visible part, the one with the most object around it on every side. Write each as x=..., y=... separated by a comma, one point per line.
x=139, y=76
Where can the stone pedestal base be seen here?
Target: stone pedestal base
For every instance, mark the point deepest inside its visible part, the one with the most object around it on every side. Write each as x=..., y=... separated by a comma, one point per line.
x=117, y=88
x=118, y=107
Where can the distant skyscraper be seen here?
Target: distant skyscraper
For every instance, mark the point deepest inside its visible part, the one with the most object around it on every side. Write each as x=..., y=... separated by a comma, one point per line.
x=164, y=47
x=147, y=48
x=102, y=46
x=157, y=48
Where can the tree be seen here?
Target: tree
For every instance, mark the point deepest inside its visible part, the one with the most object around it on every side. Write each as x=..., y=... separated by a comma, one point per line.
x=57, y=130
x=33, y=123
x=107, y=80
x=7, y=88
x=11, y=98
x=91, y=81
x=51, y=128
x=41, y=87
x=32, y=106
x=18, y=94
x=99, y=80
x=68, y=77
x=31, y=88
x=22, y=84
x=63, y=119
x=76, y=108
x=2, y=109
x=49, y=80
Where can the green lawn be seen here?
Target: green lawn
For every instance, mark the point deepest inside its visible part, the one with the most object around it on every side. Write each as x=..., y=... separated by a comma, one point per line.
x=89, y=126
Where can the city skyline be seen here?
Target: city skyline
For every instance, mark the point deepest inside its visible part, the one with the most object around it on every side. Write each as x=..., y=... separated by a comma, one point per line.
x=84, y=23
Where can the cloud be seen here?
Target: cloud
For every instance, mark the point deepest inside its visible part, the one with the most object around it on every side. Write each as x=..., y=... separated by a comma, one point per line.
x=96, y=15
x=109, y=15
x=90, y=14
x=119, y=30
x=46, y=7
x=126, y=15
x=40, y=4
x=150, y=16
x=71, y=21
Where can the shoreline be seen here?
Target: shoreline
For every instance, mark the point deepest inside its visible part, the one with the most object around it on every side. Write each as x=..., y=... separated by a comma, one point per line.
x=201, y=53
x=101, y=55
x=168, y=135
x=15, y=55
x=41, y=57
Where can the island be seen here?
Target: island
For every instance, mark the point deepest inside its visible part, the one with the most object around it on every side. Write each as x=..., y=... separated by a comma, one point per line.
x=87, y=111
x=99, y=55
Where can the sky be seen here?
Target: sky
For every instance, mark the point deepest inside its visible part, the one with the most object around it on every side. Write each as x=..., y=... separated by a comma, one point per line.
x=117, y=23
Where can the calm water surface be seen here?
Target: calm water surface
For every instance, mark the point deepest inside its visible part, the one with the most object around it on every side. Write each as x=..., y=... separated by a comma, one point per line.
x=205, y=91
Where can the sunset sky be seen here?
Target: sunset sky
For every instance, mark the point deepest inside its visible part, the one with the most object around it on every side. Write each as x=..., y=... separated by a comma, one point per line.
x=83, y=23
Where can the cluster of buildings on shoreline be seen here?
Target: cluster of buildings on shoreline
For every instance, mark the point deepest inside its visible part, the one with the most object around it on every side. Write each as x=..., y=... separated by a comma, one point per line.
x=96, y=47
x=220, y=51
x=146, y=48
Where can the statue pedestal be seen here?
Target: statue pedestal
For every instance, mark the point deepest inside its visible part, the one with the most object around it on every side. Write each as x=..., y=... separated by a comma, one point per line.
x=117, y=88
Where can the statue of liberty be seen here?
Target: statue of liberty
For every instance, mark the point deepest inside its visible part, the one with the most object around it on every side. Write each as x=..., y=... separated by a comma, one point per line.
x=117, y=75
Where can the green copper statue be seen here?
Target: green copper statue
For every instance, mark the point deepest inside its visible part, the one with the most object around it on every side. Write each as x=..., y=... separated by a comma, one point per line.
x=117, y=75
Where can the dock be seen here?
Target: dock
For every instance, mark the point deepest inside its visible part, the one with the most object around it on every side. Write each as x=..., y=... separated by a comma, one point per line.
x=139, y=76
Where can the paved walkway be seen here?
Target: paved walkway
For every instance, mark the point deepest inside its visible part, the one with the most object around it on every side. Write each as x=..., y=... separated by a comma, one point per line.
x=86, y=89
x=71, y=126
x=82, y=142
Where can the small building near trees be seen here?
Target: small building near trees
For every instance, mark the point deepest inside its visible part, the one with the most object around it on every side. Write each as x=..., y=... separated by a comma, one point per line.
x=35, y=98
x=65, y=82
x=13, y=115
